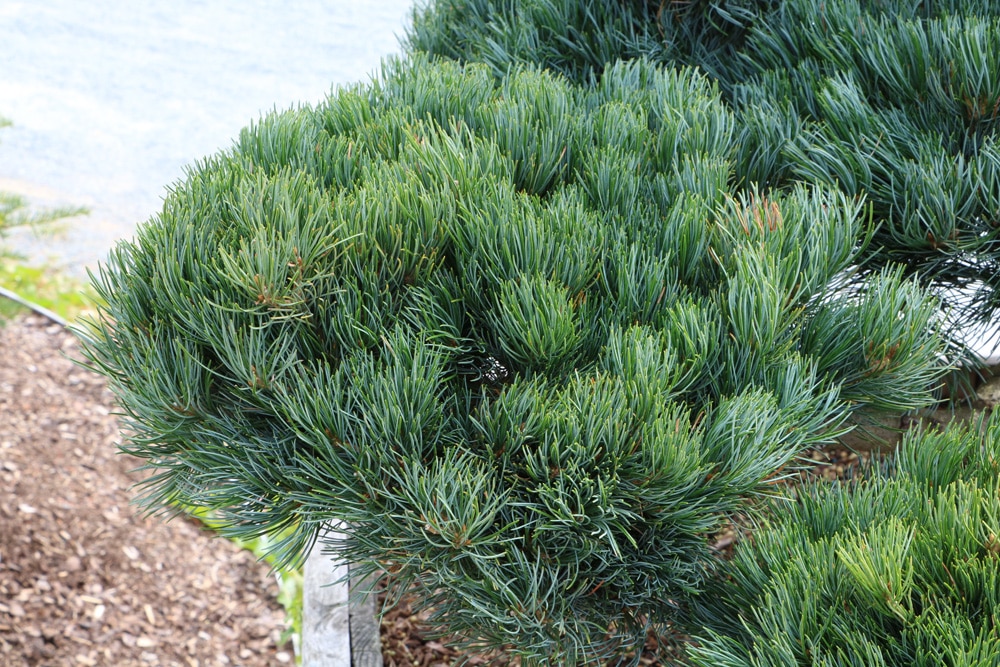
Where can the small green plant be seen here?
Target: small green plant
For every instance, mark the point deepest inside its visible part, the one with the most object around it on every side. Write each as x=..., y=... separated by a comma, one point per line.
x=898, y=568
x=45, y=287
x=15, y=211
x=517, y=334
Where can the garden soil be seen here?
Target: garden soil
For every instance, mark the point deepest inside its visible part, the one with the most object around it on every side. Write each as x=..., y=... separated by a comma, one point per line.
x=84, y=578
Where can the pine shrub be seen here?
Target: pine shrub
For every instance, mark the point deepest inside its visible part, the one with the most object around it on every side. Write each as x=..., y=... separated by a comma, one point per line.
x=576, y=38
x=898, y=568
x=894, y=100
x=516, y=333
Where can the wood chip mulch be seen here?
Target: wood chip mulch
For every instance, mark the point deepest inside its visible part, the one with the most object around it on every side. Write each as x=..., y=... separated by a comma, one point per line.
x=84, y=579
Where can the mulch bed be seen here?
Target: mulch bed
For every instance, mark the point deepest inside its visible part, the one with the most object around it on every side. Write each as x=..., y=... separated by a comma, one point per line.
x=84, y=579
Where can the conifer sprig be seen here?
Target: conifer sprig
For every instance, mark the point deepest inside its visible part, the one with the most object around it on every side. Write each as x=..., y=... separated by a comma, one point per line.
x=896, y=568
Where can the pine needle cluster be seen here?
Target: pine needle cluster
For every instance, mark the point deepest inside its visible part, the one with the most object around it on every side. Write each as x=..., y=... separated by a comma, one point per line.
x=898, y=568
x=894, y=100
x=517, y=333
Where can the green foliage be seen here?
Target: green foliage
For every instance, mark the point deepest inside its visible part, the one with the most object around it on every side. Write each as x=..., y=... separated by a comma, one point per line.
x=576, y=38
x=894, y=100
x=15, y=212
x=515, y=333
x=897, y=568
x=46, y=287
x=41, y=286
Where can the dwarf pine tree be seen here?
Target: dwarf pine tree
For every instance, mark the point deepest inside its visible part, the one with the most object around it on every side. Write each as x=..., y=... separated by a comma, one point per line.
x=519, y=335
x=900, y=567
x=893, y=99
